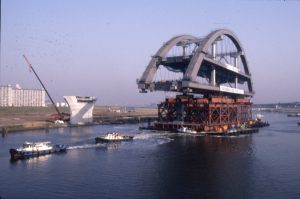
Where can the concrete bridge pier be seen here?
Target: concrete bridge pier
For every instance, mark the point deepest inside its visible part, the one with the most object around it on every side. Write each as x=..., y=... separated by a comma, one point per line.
x=81, y=109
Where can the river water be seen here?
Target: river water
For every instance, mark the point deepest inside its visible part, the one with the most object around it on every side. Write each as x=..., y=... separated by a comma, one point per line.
x=157, y=164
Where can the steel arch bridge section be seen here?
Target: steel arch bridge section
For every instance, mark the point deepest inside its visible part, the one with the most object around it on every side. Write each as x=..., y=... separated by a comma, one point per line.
x=151, y=69
x=198, y=60
x=200, y=55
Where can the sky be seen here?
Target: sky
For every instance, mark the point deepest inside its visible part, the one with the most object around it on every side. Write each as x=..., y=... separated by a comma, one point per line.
x=100, y=48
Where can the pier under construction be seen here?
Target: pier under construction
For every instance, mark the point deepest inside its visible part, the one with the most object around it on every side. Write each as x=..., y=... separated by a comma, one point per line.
x=210, y=79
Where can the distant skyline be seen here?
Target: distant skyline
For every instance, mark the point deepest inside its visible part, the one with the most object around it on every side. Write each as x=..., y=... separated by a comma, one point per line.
x=99, y=48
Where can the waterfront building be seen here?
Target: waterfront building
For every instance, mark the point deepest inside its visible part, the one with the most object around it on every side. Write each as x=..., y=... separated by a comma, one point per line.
x=18, y=97
x=5, y=95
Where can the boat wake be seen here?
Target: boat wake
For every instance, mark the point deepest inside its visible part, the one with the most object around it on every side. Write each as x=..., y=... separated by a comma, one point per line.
x=155, y=138
x=86, y=146
x=144, y=136
x=164, y=141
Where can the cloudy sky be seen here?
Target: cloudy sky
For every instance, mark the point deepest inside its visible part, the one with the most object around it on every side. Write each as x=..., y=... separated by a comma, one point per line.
x=99, y=48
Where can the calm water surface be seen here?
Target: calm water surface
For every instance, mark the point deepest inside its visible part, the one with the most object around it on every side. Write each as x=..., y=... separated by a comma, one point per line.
x=157, y=165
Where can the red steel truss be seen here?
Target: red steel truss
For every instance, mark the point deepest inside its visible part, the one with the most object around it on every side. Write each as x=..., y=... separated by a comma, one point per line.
x=203, y=114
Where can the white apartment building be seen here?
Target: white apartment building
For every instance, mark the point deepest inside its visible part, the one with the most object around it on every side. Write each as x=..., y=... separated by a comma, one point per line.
x=18, y=97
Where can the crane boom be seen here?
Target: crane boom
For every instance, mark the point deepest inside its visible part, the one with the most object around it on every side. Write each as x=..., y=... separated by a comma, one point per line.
x=30, y=66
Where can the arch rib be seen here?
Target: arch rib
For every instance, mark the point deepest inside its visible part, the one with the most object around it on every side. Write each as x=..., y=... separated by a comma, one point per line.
x=150, y=71
x=195, y=63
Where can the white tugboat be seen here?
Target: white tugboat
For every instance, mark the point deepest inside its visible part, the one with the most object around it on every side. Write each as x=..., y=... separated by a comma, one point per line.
x=30, y=149
x=113, y=137
x=184, y=129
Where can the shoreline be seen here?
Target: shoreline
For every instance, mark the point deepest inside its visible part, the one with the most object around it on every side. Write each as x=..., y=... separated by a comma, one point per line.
x=44, y=125
x=18, y=119
x=15, y=119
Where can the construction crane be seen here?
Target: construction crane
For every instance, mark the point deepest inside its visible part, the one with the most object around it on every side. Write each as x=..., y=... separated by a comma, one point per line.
x=60, y=115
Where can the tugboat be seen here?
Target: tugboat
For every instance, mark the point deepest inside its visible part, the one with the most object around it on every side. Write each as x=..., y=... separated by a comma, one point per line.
x=186, y=130
x=294, y=115
x=258, y=122
x=31, y=149
x=113, y=137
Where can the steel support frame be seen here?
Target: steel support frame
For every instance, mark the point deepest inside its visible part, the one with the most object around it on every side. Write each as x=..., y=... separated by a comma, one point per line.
x=201, y=114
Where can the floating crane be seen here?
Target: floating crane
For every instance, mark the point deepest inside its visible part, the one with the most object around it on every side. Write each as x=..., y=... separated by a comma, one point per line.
x=60, y=116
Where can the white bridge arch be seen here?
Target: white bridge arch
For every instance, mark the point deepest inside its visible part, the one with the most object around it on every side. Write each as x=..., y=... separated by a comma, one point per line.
x=210, y=59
